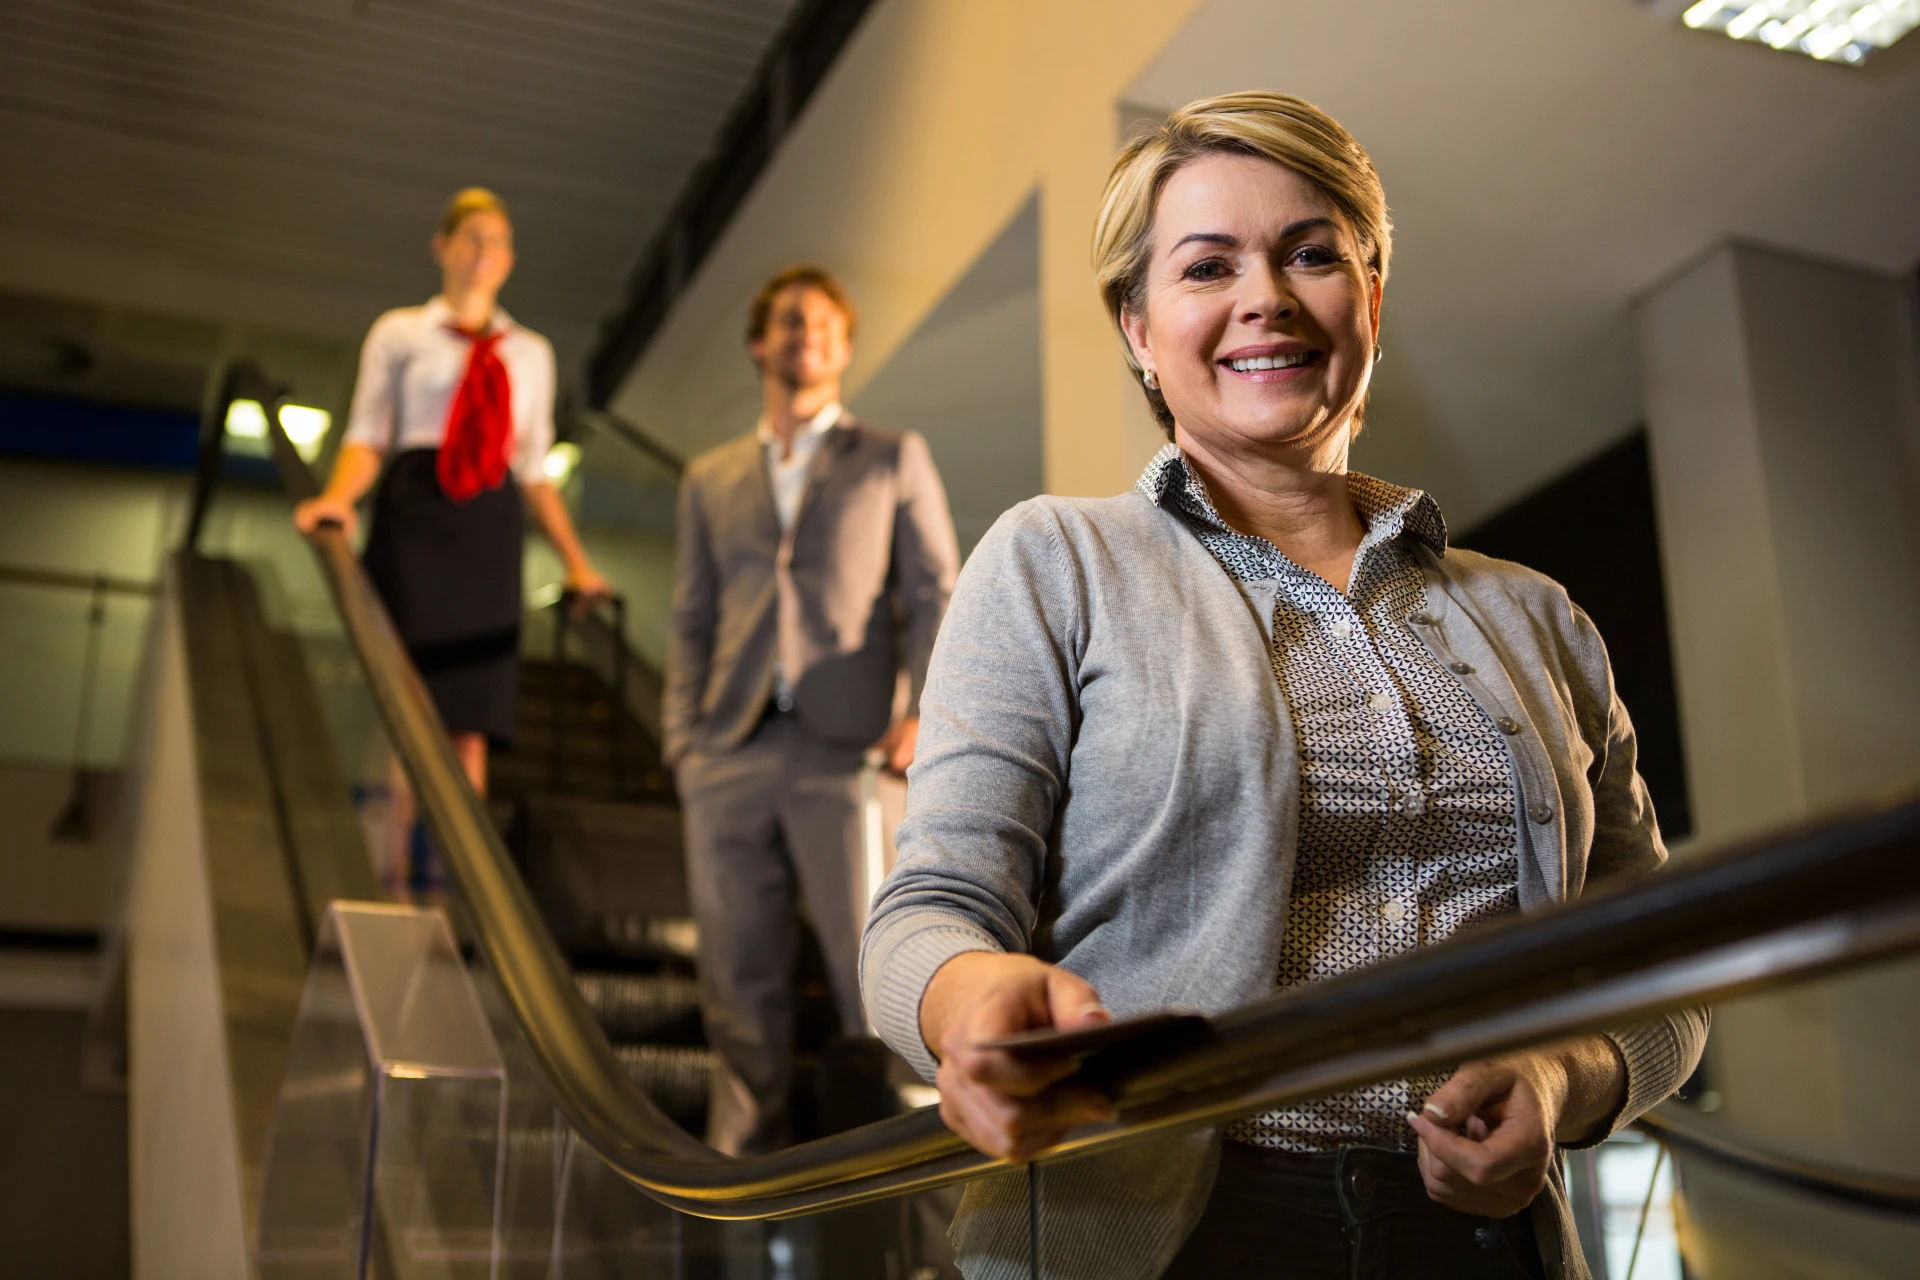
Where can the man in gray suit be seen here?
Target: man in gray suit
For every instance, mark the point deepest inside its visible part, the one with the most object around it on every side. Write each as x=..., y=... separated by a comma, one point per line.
x=814, y=559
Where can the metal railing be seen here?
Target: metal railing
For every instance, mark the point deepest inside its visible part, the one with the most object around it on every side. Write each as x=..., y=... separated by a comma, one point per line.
x=633, y=436
x=1853, y=1188
x=569, y=609
x=1831, y=895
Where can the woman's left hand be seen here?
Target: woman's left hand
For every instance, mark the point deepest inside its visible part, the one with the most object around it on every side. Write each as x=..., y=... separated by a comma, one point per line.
x=1487, y=1136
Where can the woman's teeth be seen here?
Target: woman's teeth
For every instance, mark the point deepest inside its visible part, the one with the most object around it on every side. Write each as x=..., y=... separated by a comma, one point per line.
x=1252, y=364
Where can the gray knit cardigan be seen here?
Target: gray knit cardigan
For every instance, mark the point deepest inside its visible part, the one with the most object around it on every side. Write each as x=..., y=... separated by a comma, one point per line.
x=1107, y=779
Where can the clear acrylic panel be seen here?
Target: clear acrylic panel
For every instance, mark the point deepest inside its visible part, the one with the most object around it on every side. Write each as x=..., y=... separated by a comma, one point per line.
x=389, y=1140
x=382, y=796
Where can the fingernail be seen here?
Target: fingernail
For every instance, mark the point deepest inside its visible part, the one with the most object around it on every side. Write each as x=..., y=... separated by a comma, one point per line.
x=1088, y=1010
x=1411, y=1117
x=1438, y=1113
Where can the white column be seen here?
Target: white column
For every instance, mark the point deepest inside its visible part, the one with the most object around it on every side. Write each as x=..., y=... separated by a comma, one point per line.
x=1783, y=410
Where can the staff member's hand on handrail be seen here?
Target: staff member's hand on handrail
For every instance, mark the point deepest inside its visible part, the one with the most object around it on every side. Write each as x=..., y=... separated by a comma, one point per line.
x=354, y=472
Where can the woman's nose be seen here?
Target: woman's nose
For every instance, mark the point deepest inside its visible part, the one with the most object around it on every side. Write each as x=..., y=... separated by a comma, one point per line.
x=1264, y=296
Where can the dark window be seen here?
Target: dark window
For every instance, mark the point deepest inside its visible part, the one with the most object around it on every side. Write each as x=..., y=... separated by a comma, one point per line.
x=1594, y=531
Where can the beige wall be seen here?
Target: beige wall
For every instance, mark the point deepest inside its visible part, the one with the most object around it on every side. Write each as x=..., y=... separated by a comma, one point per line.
x=1782, y=404
x=940, y=120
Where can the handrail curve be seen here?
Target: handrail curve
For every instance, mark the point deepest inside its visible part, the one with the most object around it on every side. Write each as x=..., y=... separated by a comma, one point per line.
x=1824, y=897
x=1855, y=1188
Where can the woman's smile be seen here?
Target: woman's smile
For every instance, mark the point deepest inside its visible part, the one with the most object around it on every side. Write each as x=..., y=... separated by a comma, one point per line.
x=1271, y=362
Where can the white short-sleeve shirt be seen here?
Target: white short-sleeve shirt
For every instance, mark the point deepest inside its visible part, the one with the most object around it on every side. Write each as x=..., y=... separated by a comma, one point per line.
x=412, y=363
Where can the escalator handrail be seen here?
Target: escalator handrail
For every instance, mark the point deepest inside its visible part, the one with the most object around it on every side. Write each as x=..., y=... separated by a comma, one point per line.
x=1823, y=897
x=1858, y=1188
x=633, y=436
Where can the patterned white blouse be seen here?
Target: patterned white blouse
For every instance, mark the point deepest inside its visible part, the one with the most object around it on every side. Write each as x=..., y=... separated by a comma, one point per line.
x=1408, y=804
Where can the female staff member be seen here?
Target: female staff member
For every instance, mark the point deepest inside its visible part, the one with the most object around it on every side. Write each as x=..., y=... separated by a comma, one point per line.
x=1251, y=724
x=463, y=397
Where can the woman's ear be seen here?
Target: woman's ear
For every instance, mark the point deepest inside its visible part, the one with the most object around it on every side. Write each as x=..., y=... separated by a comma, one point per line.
x=1134, y=328
x=1377, y=292
x=439, y=246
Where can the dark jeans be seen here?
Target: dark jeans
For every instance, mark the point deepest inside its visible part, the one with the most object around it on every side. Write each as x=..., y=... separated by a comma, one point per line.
x=1358, y=1214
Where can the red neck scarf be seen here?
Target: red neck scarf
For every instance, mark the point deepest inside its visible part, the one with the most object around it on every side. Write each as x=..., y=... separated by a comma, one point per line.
x=479, y=435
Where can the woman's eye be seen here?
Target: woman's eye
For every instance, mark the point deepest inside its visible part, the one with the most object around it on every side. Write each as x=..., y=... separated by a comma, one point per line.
x=1315, y=255
x=1206, y=269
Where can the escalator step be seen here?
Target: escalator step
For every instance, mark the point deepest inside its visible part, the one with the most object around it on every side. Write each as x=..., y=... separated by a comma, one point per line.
x=676, y=1077
x=632, y=1007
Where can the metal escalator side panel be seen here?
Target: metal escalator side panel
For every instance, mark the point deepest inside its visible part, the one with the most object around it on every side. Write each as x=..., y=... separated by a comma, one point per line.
x=326, y=846
x=214, y=944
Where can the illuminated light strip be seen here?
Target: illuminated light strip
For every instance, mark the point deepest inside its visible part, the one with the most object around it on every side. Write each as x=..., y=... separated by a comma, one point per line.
x=1840, y=31
x=306, y=427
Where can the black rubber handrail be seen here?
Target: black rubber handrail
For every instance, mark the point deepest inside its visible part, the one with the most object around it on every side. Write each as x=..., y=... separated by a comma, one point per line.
x=637, y=437
x=1839, y=893
x=1854, y=1188
x=61, y=580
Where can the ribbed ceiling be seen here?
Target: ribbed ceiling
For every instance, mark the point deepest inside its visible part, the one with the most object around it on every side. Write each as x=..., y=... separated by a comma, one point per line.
x=307, y=145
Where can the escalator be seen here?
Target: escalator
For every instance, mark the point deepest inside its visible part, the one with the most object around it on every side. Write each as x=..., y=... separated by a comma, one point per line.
x=568, y=913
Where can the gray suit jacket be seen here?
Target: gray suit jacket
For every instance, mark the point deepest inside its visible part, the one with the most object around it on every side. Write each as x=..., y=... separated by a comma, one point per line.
x=1107, y=778
x=851, y=594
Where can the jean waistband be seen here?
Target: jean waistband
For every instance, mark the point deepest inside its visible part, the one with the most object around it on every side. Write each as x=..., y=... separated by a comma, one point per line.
x=1353, y=1183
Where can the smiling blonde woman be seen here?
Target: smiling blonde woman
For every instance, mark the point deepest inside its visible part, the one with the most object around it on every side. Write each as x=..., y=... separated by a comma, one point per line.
x=1248, y=726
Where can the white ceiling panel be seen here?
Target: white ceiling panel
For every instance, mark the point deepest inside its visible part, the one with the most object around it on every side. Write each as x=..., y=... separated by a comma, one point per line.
x=289, y=156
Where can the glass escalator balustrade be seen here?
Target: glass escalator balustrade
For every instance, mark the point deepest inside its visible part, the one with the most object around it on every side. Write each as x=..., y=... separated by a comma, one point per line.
x=601, y=855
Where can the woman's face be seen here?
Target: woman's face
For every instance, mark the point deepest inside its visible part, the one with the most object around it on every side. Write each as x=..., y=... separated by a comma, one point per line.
x=476, y=254
x=1260, y=310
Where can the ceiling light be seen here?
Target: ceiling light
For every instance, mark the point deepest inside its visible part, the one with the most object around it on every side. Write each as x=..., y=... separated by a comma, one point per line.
x=1843, y=31
x=246, y=419
x=247, y=429
x=560, y=462
x=305, y=426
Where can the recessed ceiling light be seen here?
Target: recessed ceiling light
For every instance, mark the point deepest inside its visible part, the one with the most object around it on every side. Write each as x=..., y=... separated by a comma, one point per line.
x=1844, y=31
x=560, y=462
x=247, y=429
x=306, y=427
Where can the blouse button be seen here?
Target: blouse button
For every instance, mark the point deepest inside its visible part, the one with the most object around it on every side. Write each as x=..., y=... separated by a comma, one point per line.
x=1508, y=725
x=1460, y=668
x=1380, y=701
x=1541, y=813
x=1342, y=629
x=1393, y=909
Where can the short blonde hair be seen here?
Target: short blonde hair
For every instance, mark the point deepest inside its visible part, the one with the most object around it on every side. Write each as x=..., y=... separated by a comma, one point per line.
x=465, y=203
x=1274, y=126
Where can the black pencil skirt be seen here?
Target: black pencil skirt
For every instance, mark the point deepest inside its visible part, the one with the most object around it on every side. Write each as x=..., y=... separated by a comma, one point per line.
x=449, y=574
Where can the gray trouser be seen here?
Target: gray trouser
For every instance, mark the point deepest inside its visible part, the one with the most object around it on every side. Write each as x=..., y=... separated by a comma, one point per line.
x=770, y=825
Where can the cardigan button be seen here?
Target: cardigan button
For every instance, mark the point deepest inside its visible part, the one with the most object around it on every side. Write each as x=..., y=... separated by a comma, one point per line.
x=1460, y=668
x=1421, y=619
x=1541, y=813
x=1508, y=725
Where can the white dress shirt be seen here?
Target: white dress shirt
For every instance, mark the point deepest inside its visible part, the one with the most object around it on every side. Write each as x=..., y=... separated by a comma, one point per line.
x=789, y=474
x=789, y=479
x=412, y=363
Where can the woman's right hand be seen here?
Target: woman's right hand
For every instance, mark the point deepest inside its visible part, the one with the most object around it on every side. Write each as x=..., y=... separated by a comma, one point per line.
x=325, y=509
x=1005, y=1106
